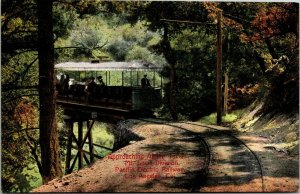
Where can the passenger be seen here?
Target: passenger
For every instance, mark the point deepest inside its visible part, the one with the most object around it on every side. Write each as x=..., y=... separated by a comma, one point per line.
x=92, y=85
x=86, y=84
x=66, y=85
x=62, y=78
x=61, y=84
x=56, y=83
x=100, y=81
x=145, y=82
x=72, y=84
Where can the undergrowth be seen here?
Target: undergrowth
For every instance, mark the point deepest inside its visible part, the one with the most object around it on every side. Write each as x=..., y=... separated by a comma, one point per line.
x=228, y=118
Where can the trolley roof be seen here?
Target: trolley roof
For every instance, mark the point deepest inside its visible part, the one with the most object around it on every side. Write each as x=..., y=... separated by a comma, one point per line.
x=108, y=66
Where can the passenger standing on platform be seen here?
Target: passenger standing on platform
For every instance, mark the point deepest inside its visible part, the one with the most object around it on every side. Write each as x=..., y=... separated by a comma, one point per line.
x=145, y=82
x=100, y=81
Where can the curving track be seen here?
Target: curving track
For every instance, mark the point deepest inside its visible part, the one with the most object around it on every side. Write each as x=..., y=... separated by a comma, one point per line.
x=230, y=164
x=258, y=163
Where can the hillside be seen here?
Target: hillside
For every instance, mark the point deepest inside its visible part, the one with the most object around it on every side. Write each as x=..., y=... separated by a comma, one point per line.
x=282, y=130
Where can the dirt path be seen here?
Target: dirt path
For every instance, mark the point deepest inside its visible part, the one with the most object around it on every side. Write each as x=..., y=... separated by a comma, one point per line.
x=171, y=159
x=167, y=160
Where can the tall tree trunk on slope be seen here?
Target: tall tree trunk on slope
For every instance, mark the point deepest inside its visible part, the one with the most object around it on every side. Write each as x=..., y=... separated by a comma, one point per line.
x=51, y=166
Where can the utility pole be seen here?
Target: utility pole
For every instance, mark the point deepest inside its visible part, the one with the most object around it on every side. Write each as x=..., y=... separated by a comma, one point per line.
x=225, y=111
x=219, y=69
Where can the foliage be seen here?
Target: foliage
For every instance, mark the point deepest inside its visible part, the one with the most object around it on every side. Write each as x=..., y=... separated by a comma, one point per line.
x=18, y=130
x=260, y=56
x=242, y=96
x=19, y=79
x=212, y=119
x=275, y=20
x=279, y=22
x=26, y=114
x=64, y=18
x=119, y=49
x=88, y=35
x=194, y=80
x=134, y=42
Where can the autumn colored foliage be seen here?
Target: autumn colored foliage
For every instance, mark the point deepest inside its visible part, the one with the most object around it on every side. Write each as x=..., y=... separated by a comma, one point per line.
x=274, y=21
x=241, y=96
x=26, y=114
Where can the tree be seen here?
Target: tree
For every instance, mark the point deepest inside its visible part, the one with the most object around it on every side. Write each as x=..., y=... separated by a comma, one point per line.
x=19, y=85
x=19, y=82
x=191, y=11
x=51, y=167
x=271, y=32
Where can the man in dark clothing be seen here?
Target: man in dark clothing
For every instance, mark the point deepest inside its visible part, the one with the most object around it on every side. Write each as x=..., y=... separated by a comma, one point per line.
x=92, y=85
x=100, y=81
x=66, y=85
x=145, y=82
x=91, y=90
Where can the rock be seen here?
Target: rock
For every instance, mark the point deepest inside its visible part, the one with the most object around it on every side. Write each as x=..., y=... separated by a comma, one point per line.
x=66, y=183
x=281, y=150
x=263, y=136
x=295, y=150
x=270, y=147
x=292, y=136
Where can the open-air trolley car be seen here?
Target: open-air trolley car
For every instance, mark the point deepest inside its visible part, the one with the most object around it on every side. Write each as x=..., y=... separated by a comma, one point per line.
x=117, y=85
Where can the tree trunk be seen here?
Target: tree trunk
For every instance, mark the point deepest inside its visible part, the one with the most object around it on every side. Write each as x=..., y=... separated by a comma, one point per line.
x=51, y=166
x=271, y=48
x=167, y=51
x=225, y=109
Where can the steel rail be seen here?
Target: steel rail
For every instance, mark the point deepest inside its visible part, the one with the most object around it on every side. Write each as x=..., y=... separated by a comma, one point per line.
x=204, y=171
x=242, y=143
x=228, y=134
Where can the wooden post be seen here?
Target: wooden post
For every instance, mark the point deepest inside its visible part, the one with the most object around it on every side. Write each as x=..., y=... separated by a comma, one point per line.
x=69, y=145
x=90, y=138
x=219, y=70
x=226, y=94
x=106, y=78
x=154, y=79
x=161, y=83
x=80, y=132
x=122, y=78
x=131, y=78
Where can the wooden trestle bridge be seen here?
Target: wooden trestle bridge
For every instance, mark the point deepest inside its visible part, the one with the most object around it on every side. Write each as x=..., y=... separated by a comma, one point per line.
x=84, y=104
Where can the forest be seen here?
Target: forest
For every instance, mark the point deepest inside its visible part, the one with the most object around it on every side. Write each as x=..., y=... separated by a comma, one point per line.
x=260, y=58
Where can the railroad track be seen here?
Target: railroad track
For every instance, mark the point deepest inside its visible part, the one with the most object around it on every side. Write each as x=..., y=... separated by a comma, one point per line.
x=202, y=138
x=242, y=143
x=201, y=176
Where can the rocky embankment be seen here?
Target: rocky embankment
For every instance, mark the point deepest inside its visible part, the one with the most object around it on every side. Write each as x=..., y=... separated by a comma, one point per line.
x=281, y=130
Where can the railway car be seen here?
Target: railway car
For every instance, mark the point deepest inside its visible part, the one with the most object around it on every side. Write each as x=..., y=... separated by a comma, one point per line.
x=110, y=84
